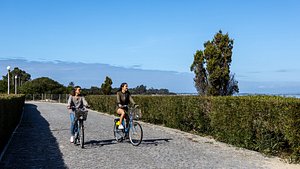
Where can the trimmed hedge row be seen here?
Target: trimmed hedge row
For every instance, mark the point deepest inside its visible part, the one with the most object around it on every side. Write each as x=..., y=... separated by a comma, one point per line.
x=267, y=124
x=163, y=110
x=11, y=107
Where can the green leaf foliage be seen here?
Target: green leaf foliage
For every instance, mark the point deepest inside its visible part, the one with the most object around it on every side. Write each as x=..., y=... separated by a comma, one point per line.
x=106, y=86
x=11, y=107
x=263, y=123
x=42, y=85
x=212, y=67
x=267, y=124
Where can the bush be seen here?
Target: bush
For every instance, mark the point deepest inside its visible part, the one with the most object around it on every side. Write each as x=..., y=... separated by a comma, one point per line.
x=11, y=107
x=267, y=124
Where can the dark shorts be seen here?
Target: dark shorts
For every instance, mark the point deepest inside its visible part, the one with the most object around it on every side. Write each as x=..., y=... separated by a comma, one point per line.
x=125, y=109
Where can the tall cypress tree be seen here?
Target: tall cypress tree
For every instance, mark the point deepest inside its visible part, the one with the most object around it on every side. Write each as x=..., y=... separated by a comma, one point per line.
x=212, y=67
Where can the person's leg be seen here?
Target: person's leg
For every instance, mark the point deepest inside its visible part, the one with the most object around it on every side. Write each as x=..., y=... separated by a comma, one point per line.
x=72, y=127
x=127, y=125
x=72, y=119
x=127, y=119
x=121, y=112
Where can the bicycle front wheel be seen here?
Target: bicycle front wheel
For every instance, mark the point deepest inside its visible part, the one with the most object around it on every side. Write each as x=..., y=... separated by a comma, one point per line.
x=76, y=131
x=136, y=134
x=81, y=134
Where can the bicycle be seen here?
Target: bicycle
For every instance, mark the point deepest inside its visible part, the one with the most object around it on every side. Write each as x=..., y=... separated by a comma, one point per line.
x=134, y=130
x=80, y=117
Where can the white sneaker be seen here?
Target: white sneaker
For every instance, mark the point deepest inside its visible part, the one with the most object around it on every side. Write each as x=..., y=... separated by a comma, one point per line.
x=121, y=127
x=72, y=139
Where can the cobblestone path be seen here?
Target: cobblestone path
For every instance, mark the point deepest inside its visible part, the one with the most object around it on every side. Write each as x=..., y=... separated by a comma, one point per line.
x=42, y=141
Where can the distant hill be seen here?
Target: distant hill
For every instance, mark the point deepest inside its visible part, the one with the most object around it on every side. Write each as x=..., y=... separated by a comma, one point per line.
x=87, y=75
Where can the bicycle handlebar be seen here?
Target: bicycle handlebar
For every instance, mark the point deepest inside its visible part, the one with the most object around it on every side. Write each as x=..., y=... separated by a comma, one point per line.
x=73, y=107
x=126, y=106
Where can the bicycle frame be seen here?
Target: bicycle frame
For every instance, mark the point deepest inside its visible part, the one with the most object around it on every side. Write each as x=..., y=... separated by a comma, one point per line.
x=79, y=122
x=120, y=134
x=126, y=129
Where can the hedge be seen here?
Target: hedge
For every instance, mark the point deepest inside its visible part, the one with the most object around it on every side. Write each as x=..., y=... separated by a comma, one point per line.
x=267, y=124
x=11, y=108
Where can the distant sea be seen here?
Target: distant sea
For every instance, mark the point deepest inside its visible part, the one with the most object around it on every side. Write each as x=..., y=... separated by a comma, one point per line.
x=283, y=95
x=291, y=95
x=251, y=94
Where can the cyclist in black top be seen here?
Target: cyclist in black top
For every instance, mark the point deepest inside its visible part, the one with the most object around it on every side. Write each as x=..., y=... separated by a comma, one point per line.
x=123, y=100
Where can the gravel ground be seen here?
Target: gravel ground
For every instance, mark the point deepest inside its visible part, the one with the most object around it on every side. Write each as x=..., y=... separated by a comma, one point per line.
x=42, y=141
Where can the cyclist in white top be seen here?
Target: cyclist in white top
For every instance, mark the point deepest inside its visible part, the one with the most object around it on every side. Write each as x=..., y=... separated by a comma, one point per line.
x=75, y=101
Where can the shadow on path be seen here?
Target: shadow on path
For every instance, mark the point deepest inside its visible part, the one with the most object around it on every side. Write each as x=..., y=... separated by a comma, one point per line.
x=156, y=141
x=93, y=143
x=33, y=145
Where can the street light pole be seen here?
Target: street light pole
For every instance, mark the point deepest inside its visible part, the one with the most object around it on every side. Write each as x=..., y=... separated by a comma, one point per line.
x=8, y=69
x=16, y=78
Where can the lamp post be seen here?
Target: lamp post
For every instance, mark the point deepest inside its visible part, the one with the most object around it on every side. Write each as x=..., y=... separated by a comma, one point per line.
x=8, y=69
x=16, y=78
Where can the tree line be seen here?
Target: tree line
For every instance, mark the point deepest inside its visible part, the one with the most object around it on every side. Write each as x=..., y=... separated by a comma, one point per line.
x=25, y=85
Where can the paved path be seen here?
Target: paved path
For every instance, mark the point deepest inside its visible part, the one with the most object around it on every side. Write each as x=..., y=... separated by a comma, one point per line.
x=42, y=141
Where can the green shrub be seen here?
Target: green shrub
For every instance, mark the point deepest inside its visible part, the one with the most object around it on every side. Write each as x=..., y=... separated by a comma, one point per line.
x=266, y=124
x=11, y=107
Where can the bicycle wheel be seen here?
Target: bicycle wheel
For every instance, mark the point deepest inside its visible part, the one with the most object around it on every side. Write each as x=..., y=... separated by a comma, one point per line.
x=136, y=134
x=76, y=138
x=76, y=130
x=118, y=134
x=81, y=131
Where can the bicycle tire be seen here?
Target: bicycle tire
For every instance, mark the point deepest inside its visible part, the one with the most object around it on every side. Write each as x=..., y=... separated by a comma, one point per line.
x=136, y=134
x=117, y=134
x=81, y=132
x=76, y=136
x=76, y=139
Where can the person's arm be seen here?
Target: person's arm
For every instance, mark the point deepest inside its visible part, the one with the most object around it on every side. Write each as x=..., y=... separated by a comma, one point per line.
x=131, y=100
x=84, y=102
x=69, y=102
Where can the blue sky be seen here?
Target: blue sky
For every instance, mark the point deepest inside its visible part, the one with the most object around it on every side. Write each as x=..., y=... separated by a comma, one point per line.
x=158, y=35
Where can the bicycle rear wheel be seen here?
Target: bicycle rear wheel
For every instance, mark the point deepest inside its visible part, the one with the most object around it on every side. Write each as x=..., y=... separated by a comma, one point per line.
x=118, y=134
x=81, y=132
x=136, y=134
